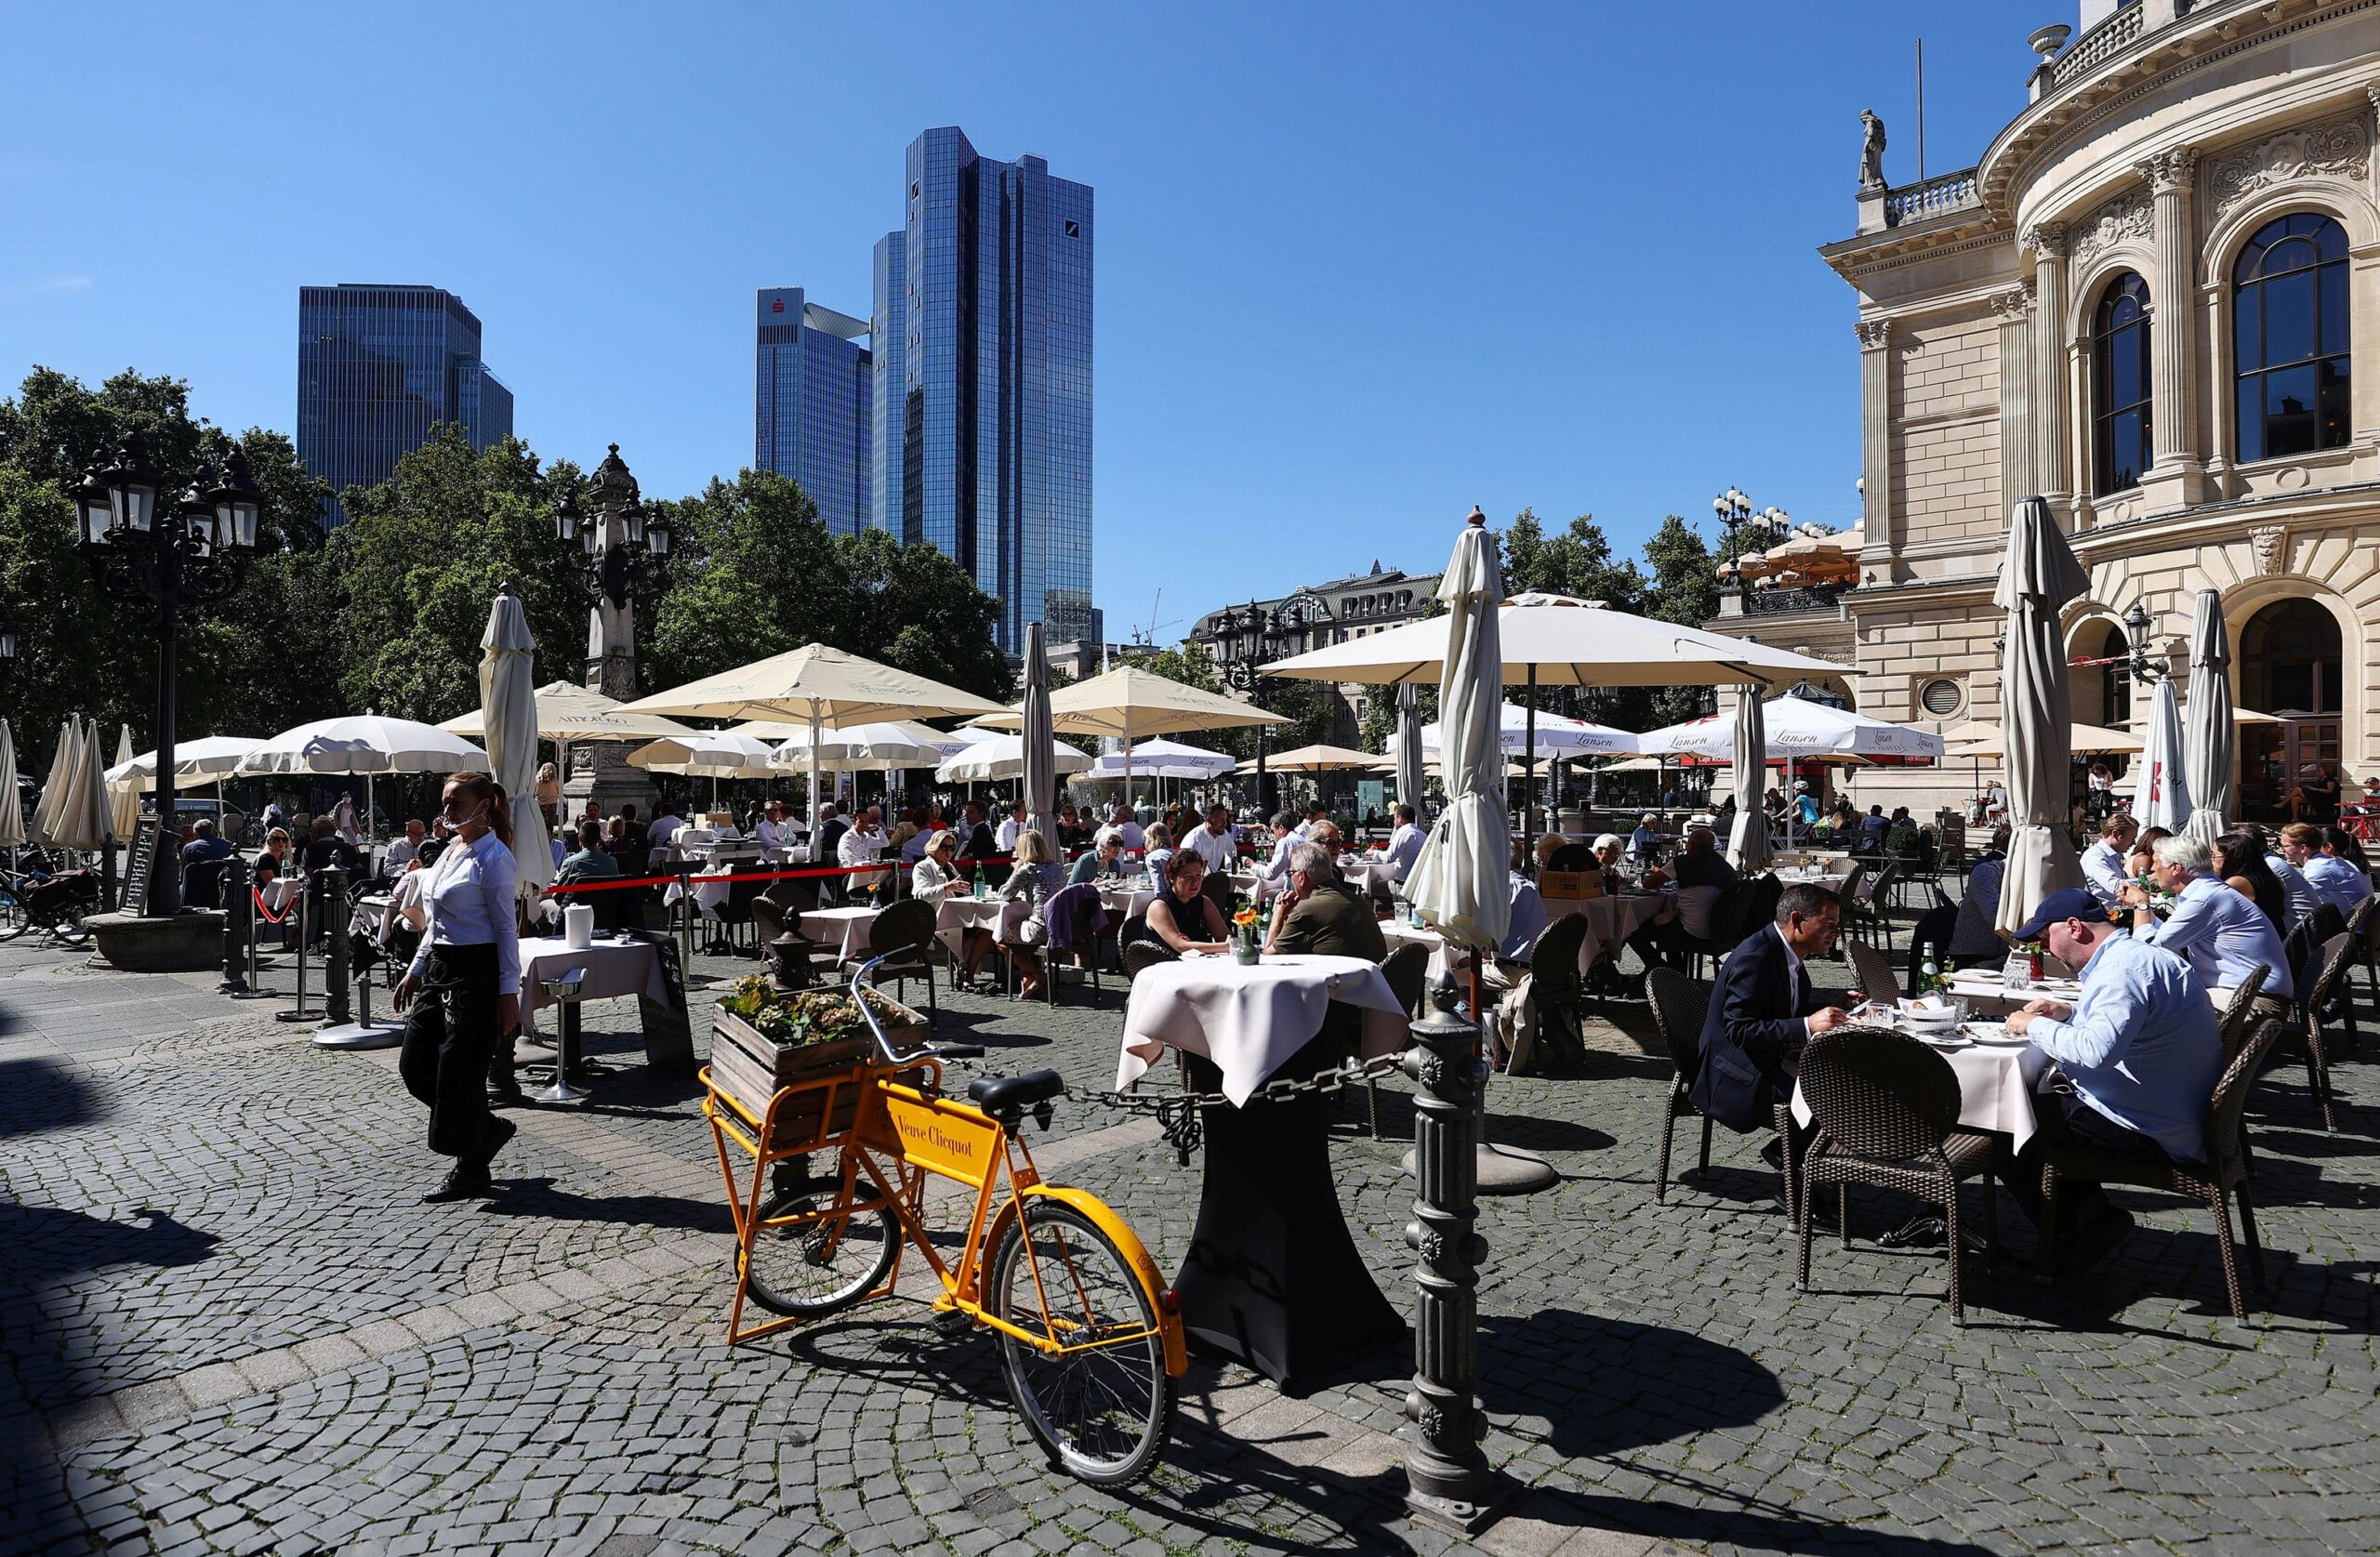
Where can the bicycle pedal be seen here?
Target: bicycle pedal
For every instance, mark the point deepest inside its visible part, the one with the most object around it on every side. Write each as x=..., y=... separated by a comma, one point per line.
x=951, y=1323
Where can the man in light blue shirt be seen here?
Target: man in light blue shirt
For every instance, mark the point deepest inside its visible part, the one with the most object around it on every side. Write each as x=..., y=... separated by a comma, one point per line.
x=2221, y=933
x=1404, y=846
x=2138, y=1055
x=2103, y=862
x=2334, y=880
x=2300, y=893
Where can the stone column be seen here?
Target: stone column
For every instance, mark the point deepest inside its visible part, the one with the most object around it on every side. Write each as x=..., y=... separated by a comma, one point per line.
x=1881, y=527
x=2051, y=423
x=2014, y=309
x=2177, y=473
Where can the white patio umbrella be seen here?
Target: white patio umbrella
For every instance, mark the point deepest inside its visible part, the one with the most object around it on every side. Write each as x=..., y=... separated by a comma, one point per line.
x=508, y=717
x=1409, y=748
x=819, y=685
x=58, y=786
x=855, y=747
x=1461, y=882
x=1040, y=783
x=1131, y=704
x=1555, y=734
x=365, y=746
x=2214, y=735
x=12, y=814
x=1747, y=841
x=124, y=800
x=1798, y=730
x=1002, y=757
x=1161, y=759
x=2161, y=796
x=711, y=754
x=2038, y=575
x=569, y=713
x=211, y=757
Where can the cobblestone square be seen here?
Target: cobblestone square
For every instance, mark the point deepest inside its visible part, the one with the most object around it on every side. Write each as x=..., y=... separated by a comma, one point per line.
x=230, y=1326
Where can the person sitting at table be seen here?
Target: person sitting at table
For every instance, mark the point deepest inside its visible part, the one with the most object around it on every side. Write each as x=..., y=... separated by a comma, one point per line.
x=904, y=840
x=2103, y=862
x=1102, y=862
x=2137, y=1057
x=2299, y=896
x=1527, y=922
x=407, y=919
x=639, y=833
x=273, y=859
x=405, y=850
x=1548, y=845
x=1321, y=913
x=1034, y=882
x=1404, y=844
x=860, y=845
x=202, y=866
x=937, y=877
x=975, y=840
x=667, y=824
x=774, y=834
x=590, y=861
x=1272, y=875
x=1160, y=850
x=1216, y=841
x=2220, y=933
x=2332, y=876
x=1645, y=842
x=2238, y=861
x=1872, y=828
x=1009, y=827
x=1183, y=918
x=1120, y=823
x=1762, y=1010
x=1702, y=874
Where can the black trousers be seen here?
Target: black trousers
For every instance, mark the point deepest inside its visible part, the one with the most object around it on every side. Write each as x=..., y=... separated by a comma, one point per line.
x=2062, y=1118
x=450, y=1030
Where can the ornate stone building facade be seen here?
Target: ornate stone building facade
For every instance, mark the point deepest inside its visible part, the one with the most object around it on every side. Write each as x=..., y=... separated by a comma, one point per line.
x=2147, y=302
x=1239, y=637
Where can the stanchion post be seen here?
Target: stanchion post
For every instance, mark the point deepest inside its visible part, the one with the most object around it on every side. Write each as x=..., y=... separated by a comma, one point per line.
x=305, y=936
x=1448, y=1484
x=239, y=926
x=335, y=1002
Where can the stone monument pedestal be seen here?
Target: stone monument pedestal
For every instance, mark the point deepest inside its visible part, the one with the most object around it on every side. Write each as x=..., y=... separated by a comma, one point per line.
x=190, y=942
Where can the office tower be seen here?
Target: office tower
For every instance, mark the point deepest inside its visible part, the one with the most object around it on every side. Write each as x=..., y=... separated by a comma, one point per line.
x=992, y=356
x=379, y=366
x=812, y=409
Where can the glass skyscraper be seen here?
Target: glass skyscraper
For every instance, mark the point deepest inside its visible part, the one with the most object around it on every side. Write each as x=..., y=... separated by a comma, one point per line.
x=982, y=402
x=378, y=367
x=812, y=404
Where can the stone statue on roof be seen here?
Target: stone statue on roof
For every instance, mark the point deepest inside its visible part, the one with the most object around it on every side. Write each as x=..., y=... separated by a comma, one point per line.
x=1872, y=151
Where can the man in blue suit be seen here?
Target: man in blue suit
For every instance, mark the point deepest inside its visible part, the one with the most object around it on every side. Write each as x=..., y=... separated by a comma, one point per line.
x=1764, y=1010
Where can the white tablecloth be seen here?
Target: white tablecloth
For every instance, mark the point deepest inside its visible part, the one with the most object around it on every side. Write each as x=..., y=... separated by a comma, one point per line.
x=959, y=913
x=1250, y=1019
x=1126, y=901
x=614, y=968
x=1986, y=984
x=1611, y=918
x=1995, y=1089
x=1444, y=959
x=841, y=929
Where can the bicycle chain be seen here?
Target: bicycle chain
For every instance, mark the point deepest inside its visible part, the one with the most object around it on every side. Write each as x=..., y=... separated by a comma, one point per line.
x=1178, y=1113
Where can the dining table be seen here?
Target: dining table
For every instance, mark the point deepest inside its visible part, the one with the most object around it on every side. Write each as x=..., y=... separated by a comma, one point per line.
x=1996, y=1071
x=1272, y=1276
x=841, y=931
x=1612, y=918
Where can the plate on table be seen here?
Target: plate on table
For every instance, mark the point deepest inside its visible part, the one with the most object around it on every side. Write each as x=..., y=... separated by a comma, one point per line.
x=1992, y=1034
x=1941, y=1038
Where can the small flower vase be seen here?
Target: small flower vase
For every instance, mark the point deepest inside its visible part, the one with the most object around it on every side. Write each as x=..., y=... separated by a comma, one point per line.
x=1243, y=950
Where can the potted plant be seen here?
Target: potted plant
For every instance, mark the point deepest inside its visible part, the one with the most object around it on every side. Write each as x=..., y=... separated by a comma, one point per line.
x=763, y=1038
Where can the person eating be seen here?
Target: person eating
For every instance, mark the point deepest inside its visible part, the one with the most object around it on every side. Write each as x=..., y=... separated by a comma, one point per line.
x=2103, y=862
x=2221, y=934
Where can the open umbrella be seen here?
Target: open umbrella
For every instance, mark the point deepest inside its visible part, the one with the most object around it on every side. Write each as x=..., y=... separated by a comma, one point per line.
x=509, y=719
x=1409, y=748
x=568, y=713
x=124, y=800
x=1554, y=733
x=711, y=754
x=211, y=756
x=2213, y=736
x=1002, y=757
x=855, y=747
x=1163, y=759
x=12, y=814
x=1748, y=842
x=1314, y=760
x=2038, y=575
x=1039, y=780
x=2161, y=788
x=365, y=746
x=1131, y=704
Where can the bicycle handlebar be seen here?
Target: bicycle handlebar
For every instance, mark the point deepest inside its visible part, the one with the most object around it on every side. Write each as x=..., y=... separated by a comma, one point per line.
x=862, y=989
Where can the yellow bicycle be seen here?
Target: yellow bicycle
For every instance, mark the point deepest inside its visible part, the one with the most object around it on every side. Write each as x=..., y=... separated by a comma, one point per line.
x=1088, y=1331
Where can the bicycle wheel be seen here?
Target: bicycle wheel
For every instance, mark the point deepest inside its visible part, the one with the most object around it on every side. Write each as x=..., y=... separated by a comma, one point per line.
x=1103, y=1412
x=70, y=930
x=818, y=1268
x=13, y=919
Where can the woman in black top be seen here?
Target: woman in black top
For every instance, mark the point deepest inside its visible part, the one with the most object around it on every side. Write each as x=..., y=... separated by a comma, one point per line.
x=2240, y=864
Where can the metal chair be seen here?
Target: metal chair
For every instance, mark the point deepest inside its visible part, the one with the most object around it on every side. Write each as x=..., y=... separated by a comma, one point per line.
x=1681, y=1006
x=1886, y=1111
x=1560, y=992
x=902, y=934
x=1865, y=920
x=1406, y=968
x=2224, y=1174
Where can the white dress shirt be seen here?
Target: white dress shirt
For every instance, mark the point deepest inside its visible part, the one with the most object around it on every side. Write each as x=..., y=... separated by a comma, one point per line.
x=2223, y=935
x=403, y=851
x=2103, y=868
x=467, y=901
x=1404, y=848
x=2144, y=1045
x=1274, y=875
x=1006, y=838
x=858, y=848
x=2303, y=898
x=777, y=834
x=1221, y=851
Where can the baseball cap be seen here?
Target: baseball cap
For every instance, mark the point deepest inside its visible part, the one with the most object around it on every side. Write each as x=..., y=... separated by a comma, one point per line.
x=2066, y=902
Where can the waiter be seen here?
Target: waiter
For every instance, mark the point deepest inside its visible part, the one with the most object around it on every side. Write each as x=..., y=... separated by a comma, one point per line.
x=468, y=976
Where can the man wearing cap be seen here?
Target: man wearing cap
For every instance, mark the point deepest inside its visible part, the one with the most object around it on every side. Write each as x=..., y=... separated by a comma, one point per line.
x=2137, y=1057
x=2222, y=934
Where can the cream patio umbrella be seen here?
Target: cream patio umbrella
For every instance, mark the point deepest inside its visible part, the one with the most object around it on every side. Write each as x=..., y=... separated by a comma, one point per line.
x=1041, y=782
x=855, y=747
x=212, y=757
x=1131, y=704
x=2038, y=576
x=2213, y=733
x=509, y=720
x=79, y=819
x=818, y=685
x=124, y=800
x=2161, y=788
x=569, y=714
x=12, y=812
x=1409, y=748
x=1314, y=760
x=1002, y=757
x=711, y=754
x=58, y=786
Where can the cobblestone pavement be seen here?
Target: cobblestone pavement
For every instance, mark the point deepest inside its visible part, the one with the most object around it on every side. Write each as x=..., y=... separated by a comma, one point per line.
x=228, y=1325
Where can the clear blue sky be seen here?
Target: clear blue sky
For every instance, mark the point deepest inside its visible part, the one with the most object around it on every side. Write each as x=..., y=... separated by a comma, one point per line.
x=1360, y=267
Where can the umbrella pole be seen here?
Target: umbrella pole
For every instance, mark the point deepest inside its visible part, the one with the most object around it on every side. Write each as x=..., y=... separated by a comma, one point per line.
x=816, y=734
x=1528, y=766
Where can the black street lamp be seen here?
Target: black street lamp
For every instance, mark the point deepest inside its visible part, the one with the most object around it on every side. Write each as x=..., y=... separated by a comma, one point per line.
x=179, y=556
x=2136, y=623
x=601, y=563
x=1735, y=512
x=1257, y=635
x=8, y=633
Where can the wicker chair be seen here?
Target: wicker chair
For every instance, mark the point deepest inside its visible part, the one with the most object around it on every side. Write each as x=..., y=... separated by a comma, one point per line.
x=1887, y=1108
x=1681, y=1005
x=2237, y=1014
x=1554, y=979
x=2365, y=926
x=902, y=935
x=1873, y=969
x=1144, y=954
x=1406, y=968
x=2337, y=957
x=1728, y=923
x=2213, y=1183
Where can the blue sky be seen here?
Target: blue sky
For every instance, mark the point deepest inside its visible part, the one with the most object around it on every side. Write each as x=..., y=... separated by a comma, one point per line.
x=1359, y=266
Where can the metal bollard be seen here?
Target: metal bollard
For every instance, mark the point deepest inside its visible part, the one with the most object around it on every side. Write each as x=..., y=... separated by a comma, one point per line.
x=335, y=1003
x=1448, y=1484
x=305, y=935
x=239, y=926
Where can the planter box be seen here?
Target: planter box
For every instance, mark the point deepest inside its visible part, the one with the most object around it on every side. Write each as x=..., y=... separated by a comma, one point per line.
x=752, y=1068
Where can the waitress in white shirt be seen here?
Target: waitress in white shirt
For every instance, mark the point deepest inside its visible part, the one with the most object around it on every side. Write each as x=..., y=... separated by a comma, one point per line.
x=468, y=975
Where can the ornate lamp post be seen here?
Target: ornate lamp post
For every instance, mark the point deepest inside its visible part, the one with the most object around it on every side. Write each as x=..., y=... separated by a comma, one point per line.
x=2136, y=623
x=179, y=556
x=1261, y=632
x=609, y=551
x=1735, y=511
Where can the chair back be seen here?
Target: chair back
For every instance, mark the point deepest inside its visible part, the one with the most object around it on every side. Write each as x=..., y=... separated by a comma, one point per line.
x=1730, y=915
x=2335, y=959
x=2326, y=920
x=2359, y=922
x=1681, y=1005
x=2223, y=1111
x=741, y=888
x=907, y=926
x=1879, y=1094
x=1087, y=910
x=2243, y=1003
x=1217, y=889
x=1767, y=891
x=1145, y=954
x=1873, y=969
x=1880, y=895
x=1554, y=960
x=1849, y=891
x=1405, y=968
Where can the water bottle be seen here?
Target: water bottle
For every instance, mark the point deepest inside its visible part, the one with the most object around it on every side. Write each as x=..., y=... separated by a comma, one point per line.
x=1929, y=978
x=980, y=888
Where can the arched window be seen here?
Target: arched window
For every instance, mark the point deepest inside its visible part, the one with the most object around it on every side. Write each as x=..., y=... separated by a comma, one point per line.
x=2120, y=383
x=2289, y=332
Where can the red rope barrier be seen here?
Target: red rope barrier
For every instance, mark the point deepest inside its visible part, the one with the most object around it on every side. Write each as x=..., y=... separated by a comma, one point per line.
x=270, y=917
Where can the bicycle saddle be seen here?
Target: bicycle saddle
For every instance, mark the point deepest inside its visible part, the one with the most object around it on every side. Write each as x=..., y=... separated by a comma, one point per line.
x=1002, y=1094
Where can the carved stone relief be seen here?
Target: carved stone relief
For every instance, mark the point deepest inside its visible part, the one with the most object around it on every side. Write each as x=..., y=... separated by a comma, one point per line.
x=2270, y=544
x=2124, y=217
x=2338, y=148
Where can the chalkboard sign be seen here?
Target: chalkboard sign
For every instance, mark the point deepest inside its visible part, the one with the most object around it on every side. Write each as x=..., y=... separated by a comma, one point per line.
x=668, y=1039
x=142, y=866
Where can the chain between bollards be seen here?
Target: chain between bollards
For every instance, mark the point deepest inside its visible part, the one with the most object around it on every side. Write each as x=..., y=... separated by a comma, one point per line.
x=1448, y=1484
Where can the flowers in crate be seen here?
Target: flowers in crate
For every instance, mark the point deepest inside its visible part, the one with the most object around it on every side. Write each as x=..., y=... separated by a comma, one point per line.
x=804, y=1017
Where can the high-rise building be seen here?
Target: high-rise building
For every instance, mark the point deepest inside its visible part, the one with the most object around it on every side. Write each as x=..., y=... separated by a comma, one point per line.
x=983, y=316
x=812, y=404
x=379, y=366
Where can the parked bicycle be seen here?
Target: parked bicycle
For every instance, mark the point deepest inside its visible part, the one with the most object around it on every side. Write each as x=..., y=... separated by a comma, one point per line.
x=36, y=897
x=1090, y=1334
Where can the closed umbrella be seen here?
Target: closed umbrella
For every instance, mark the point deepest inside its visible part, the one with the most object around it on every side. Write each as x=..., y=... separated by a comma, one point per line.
x=85, y=824
x=1409, y=747
x=124, y=800
x=1748, y=843
x=58, y=786
x=508, y=720
x=12, y=814
x=2038, y=575
x=1461, y=882
x=1039, y=780
x=2161, y=796
x=2213, y=734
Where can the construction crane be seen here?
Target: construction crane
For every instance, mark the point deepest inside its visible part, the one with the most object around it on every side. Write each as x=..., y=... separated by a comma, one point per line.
x=1146, y=636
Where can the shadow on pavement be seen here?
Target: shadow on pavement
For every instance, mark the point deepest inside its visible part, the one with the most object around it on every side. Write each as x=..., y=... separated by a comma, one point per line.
x=38, y=1095
x=540, y=1197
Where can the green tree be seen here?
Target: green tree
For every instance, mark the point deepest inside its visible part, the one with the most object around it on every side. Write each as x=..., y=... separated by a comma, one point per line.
x=1683, y=588
x=914, y=608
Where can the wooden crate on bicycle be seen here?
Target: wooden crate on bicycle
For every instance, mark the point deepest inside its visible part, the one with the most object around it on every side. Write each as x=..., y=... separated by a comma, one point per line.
x=752, y=1068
